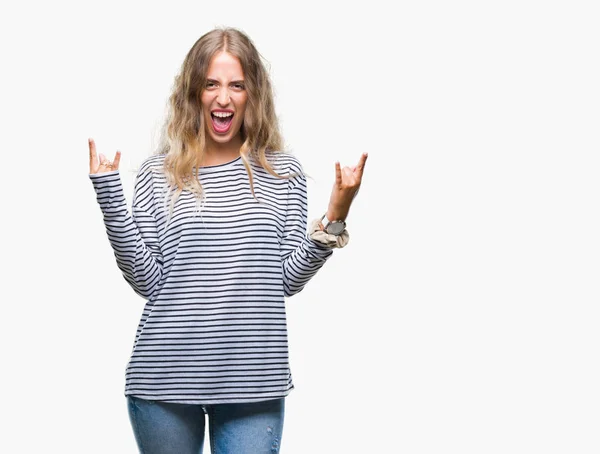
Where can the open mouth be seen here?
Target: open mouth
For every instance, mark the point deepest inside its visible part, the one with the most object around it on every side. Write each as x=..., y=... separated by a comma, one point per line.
x=221, y=121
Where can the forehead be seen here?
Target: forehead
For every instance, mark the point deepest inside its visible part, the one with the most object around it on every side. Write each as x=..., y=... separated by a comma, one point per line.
x=224, y=65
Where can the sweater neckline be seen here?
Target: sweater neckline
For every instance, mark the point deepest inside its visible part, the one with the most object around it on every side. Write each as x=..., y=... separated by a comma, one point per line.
x=223, y=166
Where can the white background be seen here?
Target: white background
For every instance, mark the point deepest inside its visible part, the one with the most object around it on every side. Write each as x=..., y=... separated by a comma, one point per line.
x=463, y=315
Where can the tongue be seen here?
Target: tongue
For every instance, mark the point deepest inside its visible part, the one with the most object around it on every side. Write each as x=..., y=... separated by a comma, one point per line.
x=222, y=122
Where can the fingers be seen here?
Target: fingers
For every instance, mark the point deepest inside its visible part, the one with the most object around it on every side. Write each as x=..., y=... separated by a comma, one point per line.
x=338, y=174
x=361, y=164
x=93, y=157
x=350, y=177
x=105, y=165
x=117, y=160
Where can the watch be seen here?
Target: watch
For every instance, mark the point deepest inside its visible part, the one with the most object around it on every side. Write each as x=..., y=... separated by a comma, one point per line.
x=332, y=227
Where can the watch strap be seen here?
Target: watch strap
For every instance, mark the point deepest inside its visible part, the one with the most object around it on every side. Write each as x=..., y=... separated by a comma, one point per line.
x=332, y=227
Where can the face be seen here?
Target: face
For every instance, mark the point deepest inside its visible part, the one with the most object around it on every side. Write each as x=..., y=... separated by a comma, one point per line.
x=224, y=100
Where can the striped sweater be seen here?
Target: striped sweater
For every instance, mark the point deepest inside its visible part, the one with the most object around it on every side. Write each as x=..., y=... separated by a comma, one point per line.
x=213, y=329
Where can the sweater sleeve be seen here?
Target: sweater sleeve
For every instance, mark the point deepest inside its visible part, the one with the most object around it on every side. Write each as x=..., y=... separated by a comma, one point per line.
x=134, y=237
x=301, y=256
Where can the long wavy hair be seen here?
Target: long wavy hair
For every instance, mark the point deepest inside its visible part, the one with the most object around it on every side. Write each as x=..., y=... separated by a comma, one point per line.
x=183, y=139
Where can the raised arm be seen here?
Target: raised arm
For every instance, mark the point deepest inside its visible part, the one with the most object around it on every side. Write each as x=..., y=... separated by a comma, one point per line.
x=301, y=256
x=134, y=237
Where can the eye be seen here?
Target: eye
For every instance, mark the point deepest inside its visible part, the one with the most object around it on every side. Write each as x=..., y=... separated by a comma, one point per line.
x=239, y=86
x=210, y=84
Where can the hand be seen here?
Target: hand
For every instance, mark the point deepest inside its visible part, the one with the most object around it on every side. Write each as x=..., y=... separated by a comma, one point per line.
x=346, y=186
x=105, y=165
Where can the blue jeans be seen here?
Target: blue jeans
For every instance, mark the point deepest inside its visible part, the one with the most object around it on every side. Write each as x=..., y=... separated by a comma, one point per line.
x=167, y=428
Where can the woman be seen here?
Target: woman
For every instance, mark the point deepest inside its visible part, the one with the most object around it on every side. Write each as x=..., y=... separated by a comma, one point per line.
x=216, y=239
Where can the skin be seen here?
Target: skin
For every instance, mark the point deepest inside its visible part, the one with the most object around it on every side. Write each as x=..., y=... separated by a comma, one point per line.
x=225, y=90
x=101, y=166
x=345, y=187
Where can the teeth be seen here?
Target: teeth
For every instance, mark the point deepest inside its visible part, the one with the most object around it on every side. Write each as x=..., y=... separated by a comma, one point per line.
x=222, y=114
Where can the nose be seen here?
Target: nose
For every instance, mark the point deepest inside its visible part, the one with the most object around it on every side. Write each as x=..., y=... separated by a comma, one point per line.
x=223, y=96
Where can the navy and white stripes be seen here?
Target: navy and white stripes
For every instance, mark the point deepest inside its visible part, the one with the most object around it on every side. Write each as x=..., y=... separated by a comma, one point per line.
x=213, y=329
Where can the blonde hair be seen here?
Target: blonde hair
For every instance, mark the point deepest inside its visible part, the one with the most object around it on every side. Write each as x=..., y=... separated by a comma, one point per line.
x=184, y=135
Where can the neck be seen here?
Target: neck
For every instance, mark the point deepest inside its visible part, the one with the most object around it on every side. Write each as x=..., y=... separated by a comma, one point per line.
x=219, y=153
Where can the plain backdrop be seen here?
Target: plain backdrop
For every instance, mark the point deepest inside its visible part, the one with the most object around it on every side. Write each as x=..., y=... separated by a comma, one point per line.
x=463, y=316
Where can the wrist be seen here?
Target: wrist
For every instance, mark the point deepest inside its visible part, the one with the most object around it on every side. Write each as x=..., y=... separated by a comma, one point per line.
x=336, y=213
x=326, y=239
x=332, y=226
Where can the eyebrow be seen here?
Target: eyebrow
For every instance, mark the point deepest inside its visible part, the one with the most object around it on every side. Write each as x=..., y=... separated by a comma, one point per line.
x=208, y=79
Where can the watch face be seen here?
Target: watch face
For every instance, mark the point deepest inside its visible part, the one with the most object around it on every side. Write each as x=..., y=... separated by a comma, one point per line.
x=335, y=228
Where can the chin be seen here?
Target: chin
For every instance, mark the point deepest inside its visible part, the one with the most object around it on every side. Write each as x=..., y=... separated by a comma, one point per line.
x=222, y=138
x=225, y=138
